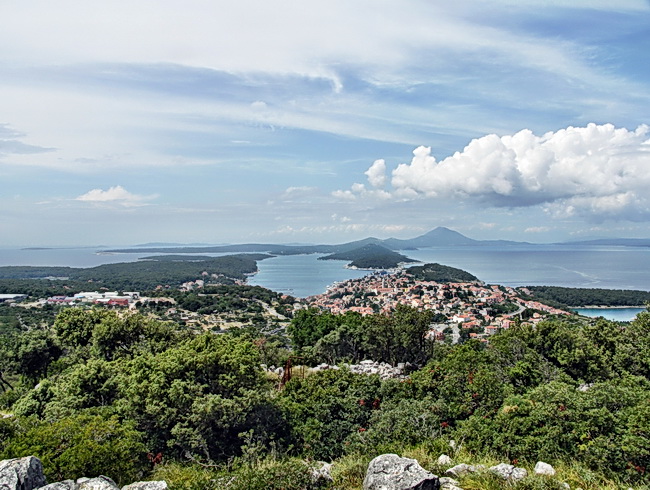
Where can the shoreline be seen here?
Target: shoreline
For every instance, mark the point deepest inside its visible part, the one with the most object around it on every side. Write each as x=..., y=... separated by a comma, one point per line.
x=604, y=307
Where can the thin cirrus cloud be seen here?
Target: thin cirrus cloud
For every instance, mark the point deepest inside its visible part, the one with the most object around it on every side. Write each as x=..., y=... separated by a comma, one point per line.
x=116, y=195
x=597, y=172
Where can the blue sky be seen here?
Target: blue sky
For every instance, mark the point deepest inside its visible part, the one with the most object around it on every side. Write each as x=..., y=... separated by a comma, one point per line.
x=280, y=121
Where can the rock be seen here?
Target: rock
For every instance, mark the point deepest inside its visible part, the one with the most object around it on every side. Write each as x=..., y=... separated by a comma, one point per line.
x=463, y=469
x=509, y=472
x=447, y=483
x=443, y=460
x=61, y=485
x=321, y=472
x=21, y=474
x=100, y=483
x=542, y=468
x=147, y=485
x=390, y=472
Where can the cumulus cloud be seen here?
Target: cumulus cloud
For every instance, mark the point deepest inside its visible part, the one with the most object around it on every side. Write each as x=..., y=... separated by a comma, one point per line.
x=114, y=195
x=377, y=174
x=597, y=171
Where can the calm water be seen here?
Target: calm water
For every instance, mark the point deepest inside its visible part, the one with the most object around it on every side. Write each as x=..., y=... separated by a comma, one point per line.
x=617, y=314
x=305, y=275
x=301, y=275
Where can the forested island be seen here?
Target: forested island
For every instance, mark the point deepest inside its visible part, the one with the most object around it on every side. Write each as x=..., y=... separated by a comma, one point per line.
x=370, y=256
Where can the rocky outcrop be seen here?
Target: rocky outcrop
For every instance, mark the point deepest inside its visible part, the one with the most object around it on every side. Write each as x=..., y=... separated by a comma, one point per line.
x=509, y=472
x=542, y=468
x=27, y=474
x=146, y=485
x=391, y=472
x=443, y=460
x=21, y=474
x=463, y=469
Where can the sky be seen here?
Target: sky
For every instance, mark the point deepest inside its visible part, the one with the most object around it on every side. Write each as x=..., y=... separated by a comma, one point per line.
x=284, y=121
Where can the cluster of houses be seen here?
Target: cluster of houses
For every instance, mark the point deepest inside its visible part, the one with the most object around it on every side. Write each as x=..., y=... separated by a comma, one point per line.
x=468, y=305
x=108, y=298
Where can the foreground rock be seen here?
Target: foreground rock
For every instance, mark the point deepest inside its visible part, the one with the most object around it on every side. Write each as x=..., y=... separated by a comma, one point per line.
x=542, y=468
x=27, y=474
x=391, y=472
x=463, y=469
x=21, y=474
x=509, y=472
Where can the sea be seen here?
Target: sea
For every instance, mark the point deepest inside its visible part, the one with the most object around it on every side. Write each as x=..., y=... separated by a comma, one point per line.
x=608, y=267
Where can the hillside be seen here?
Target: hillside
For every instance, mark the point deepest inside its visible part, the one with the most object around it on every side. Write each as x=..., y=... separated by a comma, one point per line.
x=142, y=275
x=440, y=273
x=370, y=256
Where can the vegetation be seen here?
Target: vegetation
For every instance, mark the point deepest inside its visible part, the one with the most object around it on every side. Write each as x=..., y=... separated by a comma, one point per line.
x=440, y=273
x=588, y=297
x=128, y=276
x=370, y=256
x=125, y=395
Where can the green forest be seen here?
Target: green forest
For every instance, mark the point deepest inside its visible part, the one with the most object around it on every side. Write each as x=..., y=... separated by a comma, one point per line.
x=100, y=392
x=589, y=296
x=144, y=275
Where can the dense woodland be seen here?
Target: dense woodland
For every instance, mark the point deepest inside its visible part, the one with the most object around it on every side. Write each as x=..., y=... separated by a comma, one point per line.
x=144, y=275
x=95, y=391
x=587, y=297
x=440, y=273
x=370, y=256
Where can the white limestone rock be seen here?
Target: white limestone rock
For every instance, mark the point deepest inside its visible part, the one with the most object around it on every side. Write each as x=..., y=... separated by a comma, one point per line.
x=21, y=474
x=391, y=472
x=542, y=468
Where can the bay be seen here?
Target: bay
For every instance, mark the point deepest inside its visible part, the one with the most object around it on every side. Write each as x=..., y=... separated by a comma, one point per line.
x=616, y=314
x=301, y=275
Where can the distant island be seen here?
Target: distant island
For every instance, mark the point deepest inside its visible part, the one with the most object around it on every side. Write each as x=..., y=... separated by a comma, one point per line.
x=440, y=273
x=370, y=256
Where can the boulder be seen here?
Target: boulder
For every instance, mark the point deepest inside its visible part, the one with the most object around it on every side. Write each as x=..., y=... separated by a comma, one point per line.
x=509, y=472
x=542, y=468
x=21, y=474
x=443, y=460
x=147, y=485
x=61, y=485
x=391, y=472
x=99, y=483
x=321, y=472
x=447, y=483
x=463, y=469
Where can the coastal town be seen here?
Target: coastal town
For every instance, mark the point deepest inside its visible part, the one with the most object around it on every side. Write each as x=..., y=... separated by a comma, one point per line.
x=481, y=308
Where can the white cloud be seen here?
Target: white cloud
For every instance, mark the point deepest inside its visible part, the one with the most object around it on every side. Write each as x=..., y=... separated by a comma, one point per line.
x=377, y=173
x=598, y=171
x=114, y=195
x=537, y=229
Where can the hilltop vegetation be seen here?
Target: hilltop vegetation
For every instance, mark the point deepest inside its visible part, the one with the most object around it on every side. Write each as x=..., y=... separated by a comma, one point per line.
x=587, y=297
x=146, y=274
x=440, y=273
x=370, y=256
x=96, y=391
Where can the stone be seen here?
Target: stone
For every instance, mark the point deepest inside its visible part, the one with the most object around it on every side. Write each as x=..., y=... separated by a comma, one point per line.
x=99, y=483
x=447, y=483
x=61, y=485
x=21, y=474
x=443, y=460
x=509, y=472
x=321, y=472
x=391, y=472
x=463, y=469
x=147, y=485
x=542, y=468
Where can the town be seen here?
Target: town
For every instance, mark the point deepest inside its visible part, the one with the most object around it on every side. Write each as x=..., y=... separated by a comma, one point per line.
x=472, y=306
